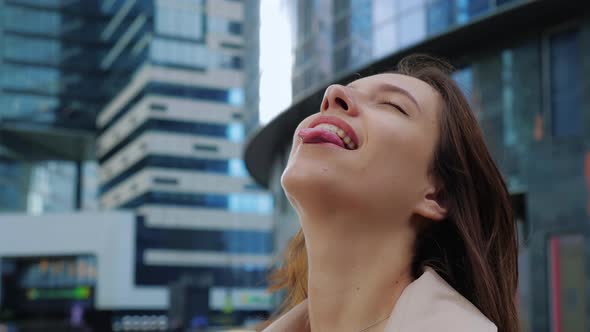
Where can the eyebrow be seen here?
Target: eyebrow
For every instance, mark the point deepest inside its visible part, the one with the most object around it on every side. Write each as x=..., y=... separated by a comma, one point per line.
x=387, y=87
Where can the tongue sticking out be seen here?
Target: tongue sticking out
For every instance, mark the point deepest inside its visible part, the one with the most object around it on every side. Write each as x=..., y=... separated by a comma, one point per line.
x=318, y=135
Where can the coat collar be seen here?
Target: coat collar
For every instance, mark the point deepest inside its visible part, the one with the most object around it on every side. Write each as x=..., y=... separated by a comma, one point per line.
x=429, y=303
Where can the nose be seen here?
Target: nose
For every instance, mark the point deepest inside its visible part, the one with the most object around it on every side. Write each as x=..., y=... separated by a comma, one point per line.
x=339, y=98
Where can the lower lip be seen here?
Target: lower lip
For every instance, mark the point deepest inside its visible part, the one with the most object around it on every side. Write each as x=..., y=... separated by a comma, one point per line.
x=327, y=144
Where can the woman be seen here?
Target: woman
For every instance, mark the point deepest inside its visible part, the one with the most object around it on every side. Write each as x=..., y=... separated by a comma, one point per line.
x=406, y=220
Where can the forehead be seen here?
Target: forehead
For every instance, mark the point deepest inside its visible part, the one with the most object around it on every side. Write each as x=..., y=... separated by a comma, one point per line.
x=424, y=94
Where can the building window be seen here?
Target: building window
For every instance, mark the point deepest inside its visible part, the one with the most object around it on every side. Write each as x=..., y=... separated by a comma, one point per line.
x=253, y=186
x=236, y=62
x=259, y=203
x=462, y=11
x=216, y=166
x=361, y=26
x=214, y=201
x=189, y=128
x=39, y=108
x=211, y=94
x=252, y=203
x=45, y=3
x=164, y=180
x=464, y=79
x=235, y=28
x=519, y=205
x=567, y=280
x=237, y=167
x=510, y=130
x=158, y=107
x=30, y=20
x=235, y=132
x=236, y=97
x=503, y=2
x=223, y=26
x=180, y=19
x=228, y=241
x=52, y=187
x=412, y=26
x=34, y=79
x=12, y=191
x=384, y=33
x=466, y=10
x=440, y=16
x=31, y=49
x=44, y=274
x=239, y=276
x=231, y=46
x=477, y=7
x=566, y=117
x=183, y=53
x=205, y=147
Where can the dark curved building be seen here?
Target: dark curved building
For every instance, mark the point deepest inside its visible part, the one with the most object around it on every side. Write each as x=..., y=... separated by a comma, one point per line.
x=525, y=67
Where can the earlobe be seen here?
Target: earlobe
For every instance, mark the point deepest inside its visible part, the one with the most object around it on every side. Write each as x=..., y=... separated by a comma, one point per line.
x=432, y=206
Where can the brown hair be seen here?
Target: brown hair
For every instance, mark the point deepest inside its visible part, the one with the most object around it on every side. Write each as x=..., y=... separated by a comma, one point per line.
x=475, y=248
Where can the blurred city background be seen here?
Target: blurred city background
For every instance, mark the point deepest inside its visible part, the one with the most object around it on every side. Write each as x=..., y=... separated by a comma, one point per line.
x=142, y=141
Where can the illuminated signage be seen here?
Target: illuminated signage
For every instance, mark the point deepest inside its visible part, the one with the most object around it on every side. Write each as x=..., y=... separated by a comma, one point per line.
x=228, y=300
x=76, y=293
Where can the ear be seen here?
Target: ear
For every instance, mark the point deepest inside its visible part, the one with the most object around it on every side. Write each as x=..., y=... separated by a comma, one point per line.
x=432, y=204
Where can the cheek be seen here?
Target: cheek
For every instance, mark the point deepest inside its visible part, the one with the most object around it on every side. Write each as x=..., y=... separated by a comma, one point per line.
x=399, y=160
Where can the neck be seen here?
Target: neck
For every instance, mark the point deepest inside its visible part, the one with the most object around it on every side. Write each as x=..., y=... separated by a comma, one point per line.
x=356, y=274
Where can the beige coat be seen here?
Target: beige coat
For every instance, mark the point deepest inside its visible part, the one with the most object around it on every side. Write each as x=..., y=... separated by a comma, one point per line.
x=427, y=304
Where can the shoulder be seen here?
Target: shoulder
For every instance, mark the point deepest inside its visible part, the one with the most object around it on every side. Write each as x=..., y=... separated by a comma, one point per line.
x=431, y=304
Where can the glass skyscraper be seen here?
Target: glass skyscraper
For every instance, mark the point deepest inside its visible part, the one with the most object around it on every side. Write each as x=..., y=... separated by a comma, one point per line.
x=357, y=32
x=183, y=77
x=49, y=74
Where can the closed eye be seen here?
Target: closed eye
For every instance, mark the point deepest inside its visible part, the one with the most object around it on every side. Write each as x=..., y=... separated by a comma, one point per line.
x=396, y=107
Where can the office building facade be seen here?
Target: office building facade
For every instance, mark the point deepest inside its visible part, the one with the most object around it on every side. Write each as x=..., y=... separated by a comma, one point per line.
x=523, y=66
x=49, y=51
x=176, y=86
x=171, y=138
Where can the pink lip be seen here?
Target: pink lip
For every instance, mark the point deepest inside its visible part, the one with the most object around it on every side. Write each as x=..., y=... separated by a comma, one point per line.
x=339, y=123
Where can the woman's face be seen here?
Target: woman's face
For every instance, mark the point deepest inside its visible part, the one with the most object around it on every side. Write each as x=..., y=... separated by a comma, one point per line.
x=368, y=149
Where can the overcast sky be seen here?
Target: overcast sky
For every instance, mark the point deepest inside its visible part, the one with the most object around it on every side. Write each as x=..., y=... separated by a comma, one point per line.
x=275, y=59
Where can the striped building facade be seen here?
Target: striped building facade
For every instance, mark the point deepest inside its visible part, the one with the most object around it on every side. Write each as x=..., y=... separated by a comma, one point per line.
x=171, y=139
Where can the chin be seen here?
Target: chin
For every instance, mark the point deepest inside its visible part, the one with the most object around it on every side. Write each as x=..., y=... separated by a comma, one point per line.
x=309, y=182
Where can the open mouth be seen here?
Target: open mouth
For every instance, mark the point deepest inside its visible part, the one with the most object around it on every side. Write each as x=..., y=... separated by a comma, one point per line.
x=332, y=130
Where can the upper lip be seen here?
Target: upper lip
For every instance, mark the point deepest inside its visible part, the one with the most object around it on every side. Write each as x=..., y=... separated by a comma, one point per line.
x=334, y=120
